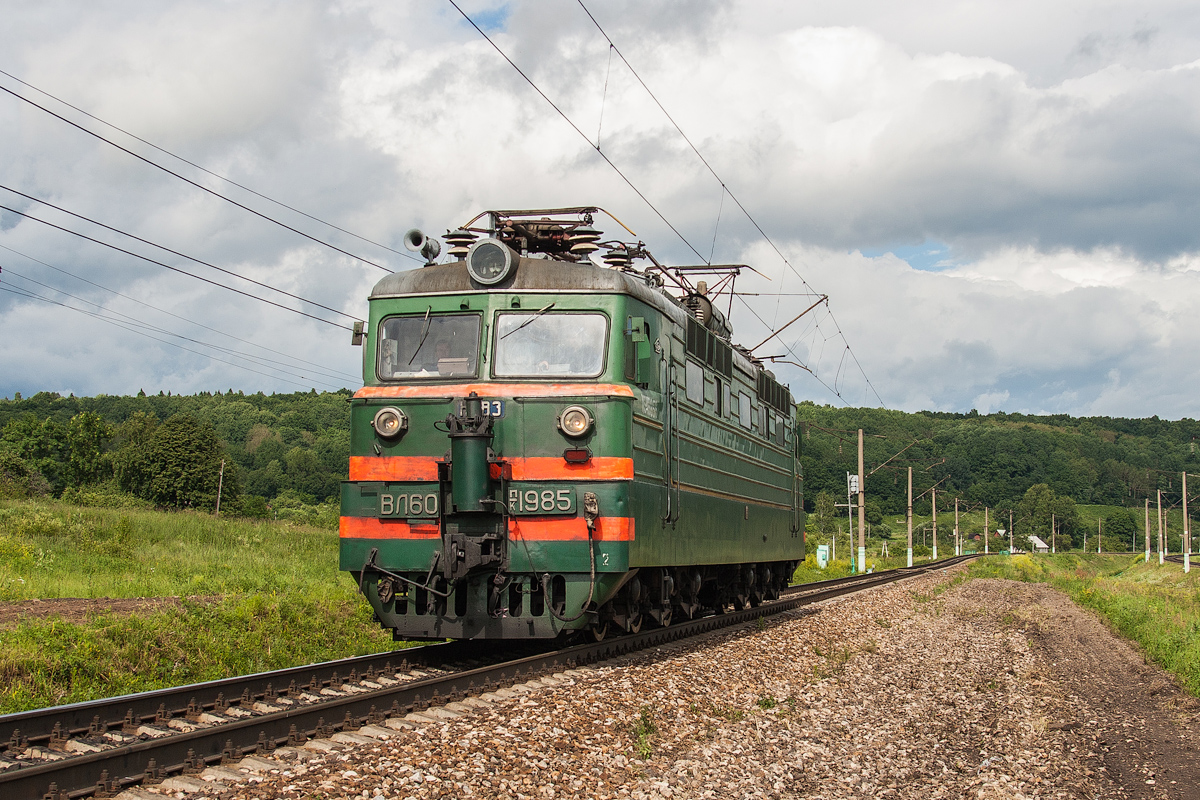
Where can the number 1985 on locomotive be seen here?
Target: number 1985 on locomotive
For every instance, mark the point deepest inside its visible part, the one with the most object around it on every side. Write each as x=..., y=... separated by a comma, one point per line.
x=541, y=500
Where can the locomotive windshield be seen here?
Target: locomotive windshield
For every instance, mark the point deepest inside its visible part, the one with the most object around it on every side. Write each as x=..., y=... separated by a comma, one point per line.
x=429, y=346
x=550, y=345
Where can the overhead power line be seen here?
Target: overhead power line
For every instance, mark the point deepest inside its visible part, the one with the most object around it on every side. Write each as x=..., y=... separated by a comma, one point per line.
x=300, y=361
x=181, y=255
x=576, y=128
x=220, y=177
x=724, y=187
x=33, y=296
x=199, y=186
x=139, y=324
x=175, y=269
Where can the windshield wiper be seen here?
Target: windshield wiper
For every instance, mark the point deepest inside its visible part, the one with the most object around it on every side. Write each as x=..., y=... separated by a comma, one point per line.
x=526, y=322
x=424, y=335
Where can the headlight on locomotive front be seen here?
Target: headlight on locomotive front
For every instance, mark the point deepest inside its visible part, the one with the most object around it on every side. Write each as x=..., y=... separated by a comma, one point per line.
x=390, y=422
x=575, y=421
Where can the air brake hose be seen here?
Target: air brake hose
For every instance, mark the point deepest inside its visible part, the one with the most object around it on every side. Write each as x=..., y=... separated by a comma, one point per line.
x=591, y=511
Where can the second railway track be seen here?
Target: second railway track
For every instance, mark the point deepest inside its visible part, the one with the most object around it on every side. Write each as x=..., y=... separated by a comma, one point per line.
x=99, y=748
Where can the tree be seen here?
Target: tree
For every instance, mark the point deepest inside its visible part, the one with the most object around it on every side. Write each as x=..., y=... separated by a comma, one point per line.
x=185, y=458
x=86, y=435
x=131, y=458
x=1040, y=508
x=1121, y=526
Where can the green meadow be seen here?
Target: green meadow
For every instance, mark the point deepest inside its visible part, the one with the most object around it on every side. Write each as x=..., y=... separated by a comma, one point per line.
x=255, y=595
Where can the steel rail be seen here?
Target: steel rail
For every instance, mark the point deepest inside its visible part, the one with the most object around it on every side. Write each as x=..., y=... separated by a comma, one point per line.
x=81, y=775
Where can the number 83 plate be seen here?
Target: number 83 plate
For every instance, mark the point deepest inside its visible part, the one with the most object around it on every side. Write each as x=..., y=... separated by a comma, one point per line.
x=541, y=500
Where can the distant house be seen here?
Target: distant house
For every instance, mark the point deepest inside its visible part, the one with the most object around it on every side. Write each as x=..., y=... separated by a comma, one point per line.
x=1038, y=545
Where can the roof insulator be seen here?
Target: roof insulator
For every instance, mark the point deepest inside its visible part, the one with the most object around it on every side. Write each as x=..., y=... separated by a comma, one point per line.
x=460, y=241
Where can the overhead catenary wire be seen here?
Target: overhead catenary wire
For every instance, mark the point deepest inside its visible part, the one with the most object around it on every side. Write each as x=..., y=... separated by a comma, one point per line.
x=148, y=336
x=177, y=253
x=141, y=324
x=199, y=186
x=176, y=269
x=725, y=188
x=625, y=178
x=218, y=176
x=300, y=361
x=595, y=146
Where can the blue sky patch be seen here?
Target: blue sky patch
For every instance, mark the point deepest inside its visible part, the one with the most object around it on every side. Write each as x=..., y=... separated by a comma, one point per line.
x=492, y=19
x=929, y=256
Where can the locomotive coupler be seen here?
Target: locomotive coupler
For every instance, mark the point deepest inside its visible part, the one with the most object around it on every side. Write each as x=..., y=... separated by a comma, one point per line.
x=473, y=534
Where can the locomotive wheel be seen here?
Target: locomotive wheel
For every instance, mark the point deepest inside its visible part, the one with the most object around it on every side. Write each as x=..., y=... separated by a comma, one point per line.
x=635, y=624
x=599, y=631
x=666, y=617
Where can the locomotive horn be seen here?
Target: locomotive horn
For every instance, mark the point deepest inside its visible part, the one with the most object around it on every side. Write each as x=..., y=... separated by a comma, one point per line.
x=416, y=241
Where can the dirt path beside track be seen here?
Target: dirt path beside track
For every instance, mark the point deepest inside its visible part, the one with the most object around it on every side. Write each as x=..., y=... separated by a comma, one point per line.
x=79, y=609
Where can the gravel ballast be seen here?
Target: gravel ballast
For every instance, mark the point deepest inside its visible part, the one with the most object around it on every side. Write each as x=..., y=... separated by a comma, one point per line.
x=923, y=689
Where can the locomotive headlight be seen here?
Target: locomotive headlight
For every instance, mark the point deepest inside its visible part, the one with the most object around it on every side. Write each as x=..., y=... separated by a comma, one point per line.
x=390, y=422
x=490, y=261
x=575, y=421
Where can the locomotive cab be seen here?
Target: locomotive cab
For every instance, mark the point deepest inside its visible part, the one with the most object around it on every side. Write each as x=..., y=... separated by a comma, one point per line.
x=517, y=449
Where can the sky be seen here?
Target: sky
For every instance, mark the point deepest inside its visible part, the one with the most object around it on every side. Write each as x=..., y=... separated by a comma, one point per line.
x=999, y=199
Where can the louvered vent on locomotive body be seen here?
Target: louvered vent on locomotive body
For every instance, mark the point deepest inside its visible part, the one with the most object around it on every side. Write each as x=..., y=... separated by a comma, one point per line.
x=708, y=348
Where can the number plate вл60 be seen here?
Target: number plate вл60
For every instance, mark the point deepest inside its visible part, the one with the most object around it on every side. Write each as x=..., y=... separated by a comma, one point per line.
x=417, y=501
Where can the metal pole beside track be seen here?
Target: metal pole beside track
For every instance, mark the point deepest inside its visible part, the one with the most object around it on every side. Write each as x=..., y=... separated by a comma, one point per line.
x=862, y=508
x=910, y=516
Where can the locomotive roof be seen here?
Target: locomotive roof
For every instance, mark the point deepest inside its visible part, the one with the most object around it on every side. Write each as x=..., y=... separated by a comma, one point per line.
x=532, y=274
x=540, y=275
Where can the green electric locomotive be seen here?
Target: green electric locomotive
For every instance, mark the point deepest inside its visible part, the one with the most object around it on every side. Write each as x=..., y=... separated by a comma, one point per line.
x=546, y=444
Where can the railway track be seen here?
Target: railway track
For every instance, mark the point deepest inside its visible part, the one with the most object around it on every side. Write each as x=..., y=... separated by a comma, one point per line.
x=99, y=748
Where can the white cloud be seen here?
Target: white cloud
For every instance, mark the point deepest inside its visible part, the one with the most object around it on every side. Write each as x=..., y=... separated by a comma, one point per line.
x=1052, y=148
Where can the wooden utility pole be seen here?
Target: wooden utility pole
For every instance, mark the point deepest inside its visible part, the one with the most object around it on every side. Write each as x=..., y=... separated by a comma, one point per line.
x=862, y=508
x=220, y=483
x=910, y=516
x=1160, y=530
x=985, y=531
x=934, y=524
x=1099, y=536
x=1187, y=530
x=1147, y=529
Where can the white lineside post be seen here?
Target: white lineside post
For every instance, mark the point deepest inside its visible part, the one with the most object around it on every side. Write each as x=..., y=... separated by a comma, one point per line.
x=910, y=516
x=220, y=483
x=1099, y=535
x=1053, y=534
x=985, y=531
x=1147, y=529
x=1187, y=530
x=862, y=508
x=935, y=524
x=1010, y=532
x=1160, y=530
x=957, y=536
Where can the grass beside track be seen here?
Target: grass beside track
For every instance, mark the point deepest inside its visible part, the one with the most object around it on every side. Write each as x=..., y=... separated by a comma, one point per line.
x=273, y=598
x=1157, y=607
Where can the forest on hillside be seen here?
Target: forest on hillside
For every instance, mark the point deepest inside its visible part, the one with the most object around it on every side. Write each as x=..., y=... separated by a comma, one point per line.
x=1038, y=467
x=287, y=449
x=166, y=450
